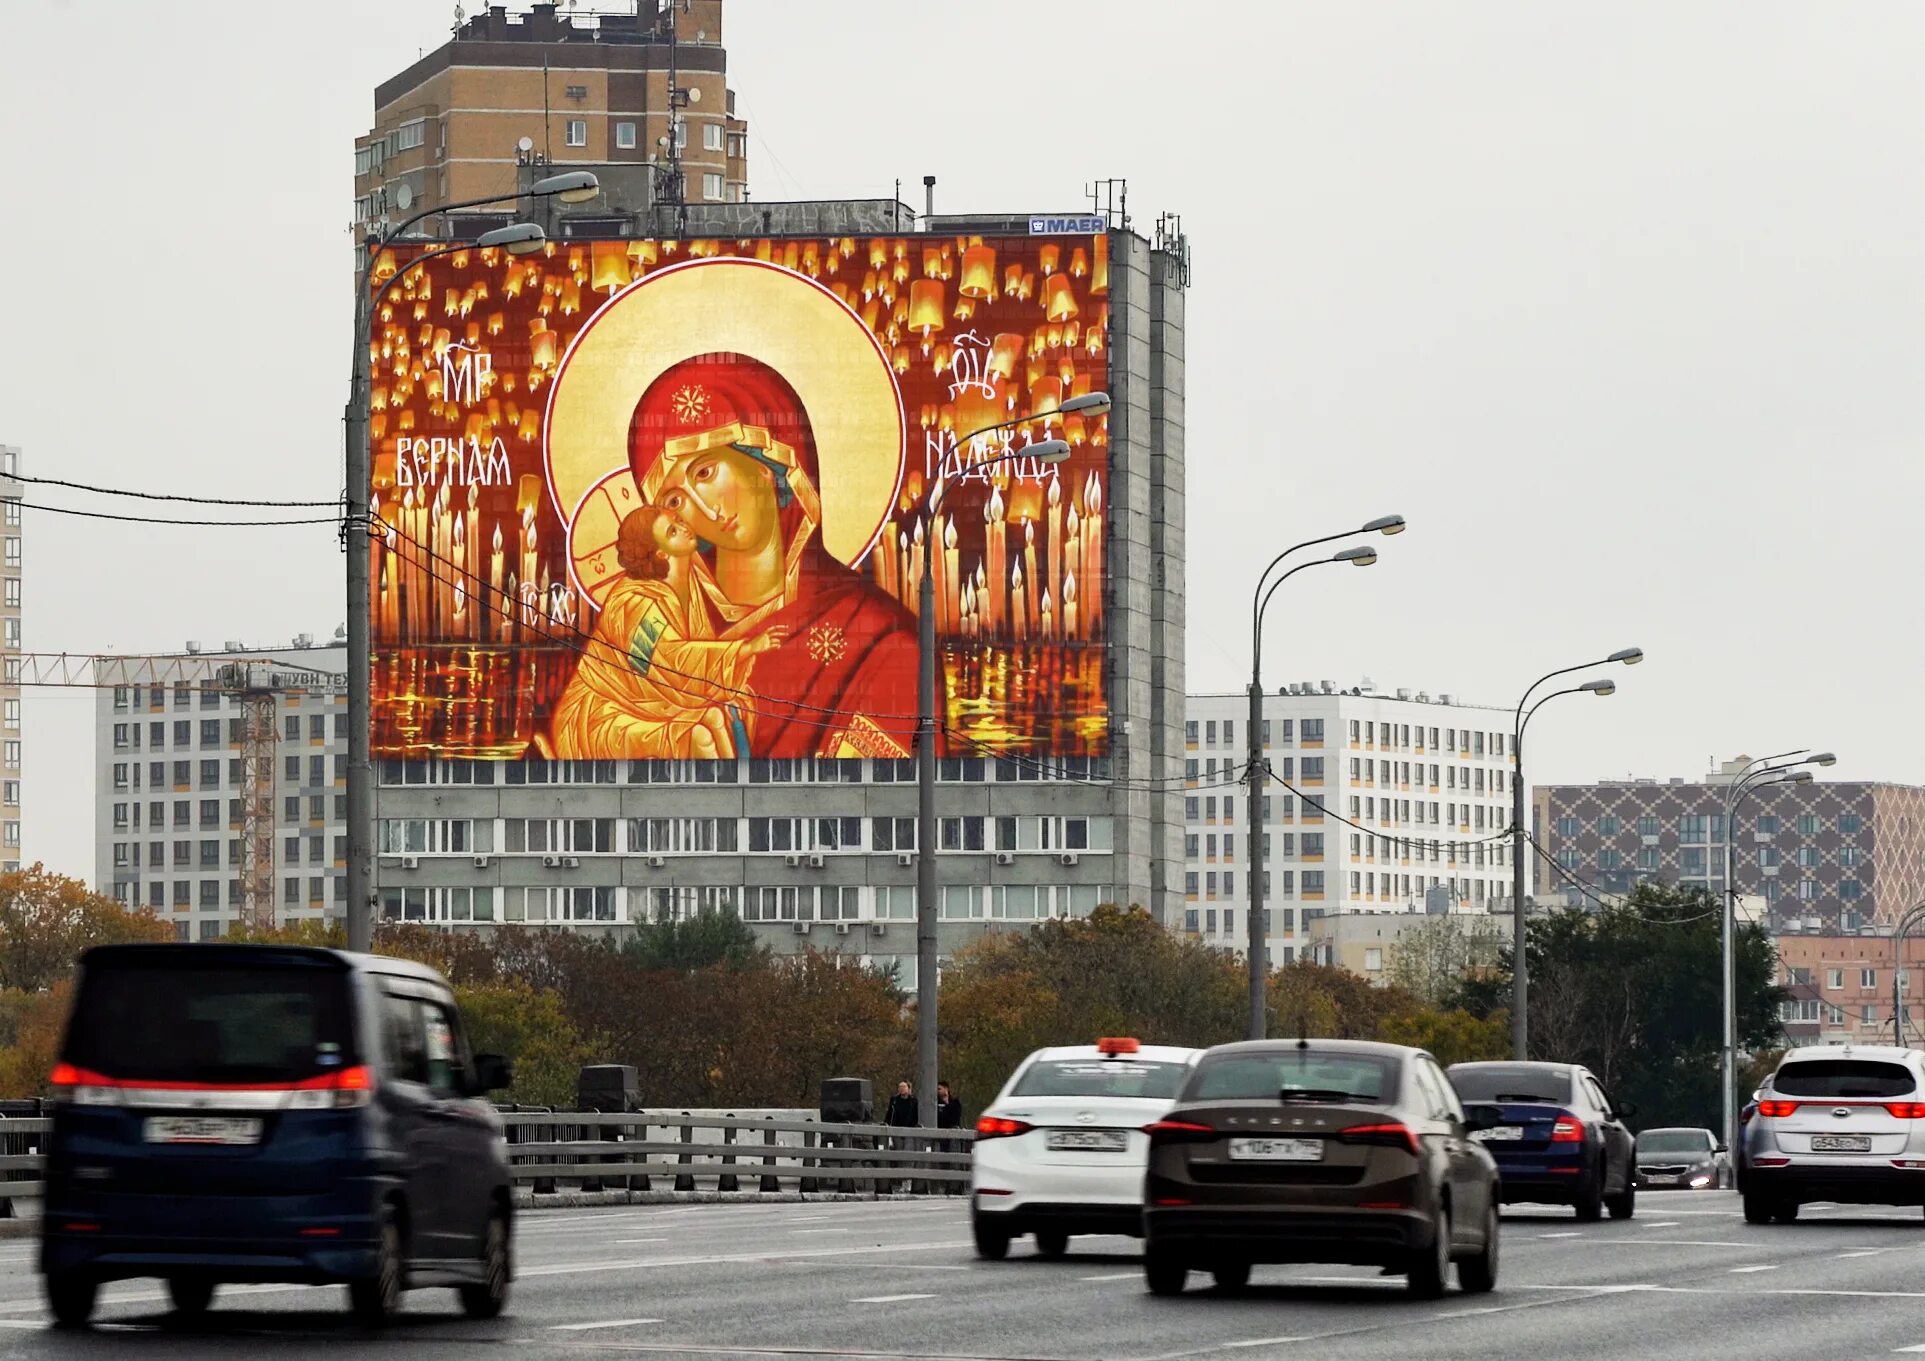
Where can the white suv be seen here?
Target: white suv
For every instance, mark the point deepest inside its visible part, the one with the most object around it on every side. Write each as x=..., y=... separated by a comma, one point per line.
x=1062, y=1151
x=1840, y=1123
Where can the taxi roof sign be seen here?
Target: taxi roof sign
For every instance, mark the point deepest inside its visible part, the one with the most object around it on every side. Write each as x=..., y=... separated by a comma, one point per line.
x=1114, y=1045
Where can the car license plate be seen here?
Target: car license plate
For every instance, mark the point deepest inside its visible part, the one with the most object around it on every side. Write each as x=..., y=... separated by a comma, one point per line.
x=1277, y=1150
x=202, y=1129
x=1841, y=1143
x=1087, y=1140
x=1660, y=1179
x=1499, y=1134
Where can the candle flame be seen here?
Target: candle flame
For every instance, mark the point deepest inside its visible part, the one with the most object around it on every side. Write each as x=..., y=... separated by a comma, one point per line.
x=1069, y=588
x=1055, y=491
x=497, y=538
x=949, y=536
x=993, y=508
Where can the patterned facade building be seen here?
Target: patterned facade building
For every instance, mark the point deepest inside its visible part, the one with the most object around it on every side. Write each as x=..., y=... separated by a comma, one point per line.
x=1827, y=858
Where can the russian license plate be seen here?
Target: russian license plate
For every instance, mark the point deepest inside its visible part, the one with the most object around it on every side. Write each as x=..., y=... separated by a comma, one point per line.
x=1499, y=1134
x=1277, y=1150
x=1087, y=1140
x=202, y=1129
x=1841, y=1143
x=1660, y=1179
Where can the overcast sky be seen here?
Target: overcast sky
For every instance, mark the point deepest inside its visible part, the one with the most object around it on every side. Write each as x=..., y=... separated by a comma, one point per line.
x=1620, y=305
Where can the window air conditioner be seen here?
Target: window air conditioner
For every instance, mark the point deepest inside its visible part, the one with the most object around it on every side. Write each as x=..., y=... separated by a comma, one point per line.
x=802, y=928
x=1067, y=858
x=571, y=862
x=657, y=861
x=481, y=862
x=410, y=862
x=842, y=928
x=905, y=858
x=879, y=928
x=815, y=862
x=792, y=860
x=1005, y=858
x=551, y=862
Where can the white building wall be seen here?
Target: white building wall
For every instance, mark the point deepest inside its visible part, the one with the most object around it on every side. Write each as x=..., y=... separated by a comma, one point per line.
x=171, y=752
x=1426, y=783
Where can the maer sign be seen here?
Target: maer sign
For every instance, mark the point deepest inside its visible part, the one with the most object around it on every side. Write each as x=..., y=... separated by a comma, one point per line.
x=1058, y=226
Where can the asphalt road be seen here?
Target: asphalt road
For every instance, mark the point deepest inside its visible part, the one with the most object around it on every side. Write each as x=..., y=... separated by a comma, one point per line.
x=1688, y=1278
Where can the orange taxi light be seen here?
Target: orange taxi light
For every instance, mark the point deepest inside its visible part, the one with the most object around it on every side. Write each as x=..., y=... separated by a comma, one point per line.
x=1117, y=1044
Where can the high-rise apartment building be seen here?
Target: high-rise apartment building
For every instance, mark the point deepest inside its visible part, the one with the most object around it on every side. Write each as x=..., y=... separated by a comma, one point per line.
x=1827, y=857
x=11, y=725
x=1401, y=805
x=175, y=771
x=548, y=88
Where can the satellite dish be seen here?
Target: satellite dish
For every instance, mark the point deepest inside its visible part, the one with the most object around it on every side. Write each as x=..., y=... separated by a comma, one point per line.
x=403, y=196
x=695, y=96
x=525, y=144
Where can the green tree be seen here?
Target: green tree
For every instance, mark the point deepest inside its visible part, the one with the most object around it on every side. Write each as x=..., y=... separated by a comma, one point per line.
x=707, y=938
x=1433, y=957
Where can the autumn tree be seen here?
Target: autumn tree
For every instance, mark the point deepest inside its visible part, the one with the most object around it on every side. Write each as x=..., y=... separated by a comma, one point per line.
x=1435, y=954
x=47, y=920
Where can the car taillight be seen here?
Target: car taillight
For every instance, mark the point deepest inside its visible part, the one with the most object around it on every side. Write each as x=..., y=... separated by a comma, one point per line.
x=1907, y=1110
x=1392, y=1134
x=1567, y=1130
x=349, y=1088
x=1776, y=1110
x=999, y=1127
x=80, y=1086
x=1178, y=1132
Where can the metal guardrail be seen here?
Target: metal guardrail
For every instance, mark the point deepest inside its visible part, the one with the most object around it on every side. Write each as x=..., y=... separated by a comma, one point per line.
x=555, y=1151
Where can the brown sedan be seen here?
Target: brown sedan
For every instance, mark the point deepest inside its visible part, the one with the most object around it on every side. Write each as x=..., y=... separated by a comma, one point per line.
x=1318, y=1151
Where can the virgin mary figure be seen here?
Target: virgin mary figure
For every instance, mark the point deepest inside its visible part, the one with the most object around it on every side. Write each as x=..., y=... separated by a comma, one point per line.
x=722, y=443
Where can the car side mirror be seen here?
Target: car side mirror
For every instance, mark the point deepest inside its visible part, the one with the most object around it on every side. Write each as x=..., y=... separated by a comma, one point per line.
x=1721, y=1148
x=1625, y=1110
x=492, y=1073
x=1478, y=1118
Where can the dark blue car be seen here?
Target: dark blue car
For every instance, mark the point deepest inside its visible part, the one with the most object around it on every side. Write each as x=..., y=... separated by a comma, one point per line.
x=1557, y=1138
x=265, y=1113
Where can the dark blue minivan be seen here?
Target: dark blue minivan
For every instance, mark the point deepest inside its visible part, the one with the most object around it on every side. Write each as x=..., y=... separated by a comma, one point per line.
x=272, y=1113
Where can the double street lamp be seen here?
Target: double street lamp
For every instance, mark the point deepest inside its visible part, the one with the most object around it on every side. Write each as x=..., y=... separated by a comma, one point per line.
x=517, y=238
x=1050, y=451
x=1520, y=842
x=1257, y=769
x=1913, y=918
x=1754, y=775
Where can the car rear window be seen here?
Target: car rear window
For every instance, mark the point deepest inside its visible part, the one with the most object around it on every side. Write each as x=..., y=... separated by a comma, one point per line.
x=1674, y=1141
x=1269, y=1077
x=245, y=1023
x=1100, y=1077
x=1520, y=1083
x=1843, y=1078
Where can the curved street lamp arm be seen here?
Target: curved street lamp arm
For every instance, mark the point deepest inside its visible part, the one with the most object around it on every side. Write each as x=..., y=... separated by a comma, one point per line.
x=1525, y=722
x=1520, y=718
x=1256, y=634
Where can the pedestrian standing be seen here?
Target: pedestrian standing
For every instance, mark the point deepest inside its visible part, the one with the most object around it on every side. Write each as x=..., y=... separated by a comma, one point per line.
x=902, y=1114
x=949, y=1116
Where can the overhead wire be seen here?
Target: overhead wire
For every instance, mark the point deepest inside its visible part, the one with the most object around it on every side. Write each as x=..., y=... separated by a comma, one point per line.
x=164, y=520
x=169, y=496
x=1421, y=842
x=1617, y=902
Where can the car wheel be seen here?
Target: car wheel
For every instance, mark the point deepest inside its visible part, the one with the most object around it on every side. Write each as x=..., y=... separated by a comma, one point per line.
x=490, y=1297
x=1476, y=1275
x=1625, y=1203
x=1784, y=1213
x=992, y=1241
x=1590, y=1198
x=70, y=1298
x=190, y=1295
x=1758, y=1210
x=1164, y=1272
x=1230, y=1277
x=1051, y=1242
x=376, y=1298
x=1429, y=1270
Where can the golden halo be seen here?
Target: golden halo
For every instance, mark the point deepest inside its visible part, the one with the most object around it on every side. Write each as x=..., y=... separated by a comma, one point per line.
x=785, y=319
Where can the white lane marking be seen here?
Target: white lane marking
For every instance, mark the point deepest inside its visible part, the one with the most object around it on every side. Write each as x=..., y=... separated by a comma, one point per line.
x=1748, y=1294
x=630, y=1242
x=1661, y=1224
x=1572, y=1234
x=1864, y=1252
x=606, y=1323
x=802, y=1231
x=1742, y=1270
x=21, y=1323
x=726, y=1258
x=1919, y=1348
x=1667, y=1243
x=889, y=1299
x=1264, y=1341
x=1113, y=1276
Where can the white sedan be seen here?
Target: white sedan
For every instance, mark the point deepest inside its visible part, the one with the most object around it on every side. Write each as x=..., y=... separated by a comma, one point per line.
x=1062, y=1151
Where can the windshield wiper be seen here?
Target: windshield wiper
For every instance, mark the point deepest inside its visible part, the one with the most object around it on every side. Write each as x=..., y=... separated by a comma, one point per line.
x=1318, y=1094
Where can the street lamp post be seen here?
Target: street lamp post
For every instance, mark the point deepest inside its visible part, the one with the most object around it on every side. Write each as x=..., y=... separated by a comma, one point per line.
x=1256, y=769
x=1520, y=843
x=1914, y=916
x=574, y=186
x=1753, y=775
x=1047, y=451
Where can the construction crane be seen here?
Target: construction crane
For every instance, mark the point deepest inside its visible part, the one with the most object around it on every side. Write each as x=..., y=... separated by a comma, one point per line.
x=254, y=683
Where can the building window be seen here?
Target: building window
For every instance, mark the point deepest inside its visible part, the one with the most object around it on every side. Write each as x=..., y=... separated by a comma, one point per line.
x=1849, y=889
x=411, y=135
x=681, y=135
x=1868, y=978
x=1647, y=826
x=1807, y=824
x=625, y=136
x=1607, y=826
x=12, y=558
x=711, y=136
x=577, y=132
x=1691, y=827
x=13, y=592
x=1849, y=824
x=712, y=187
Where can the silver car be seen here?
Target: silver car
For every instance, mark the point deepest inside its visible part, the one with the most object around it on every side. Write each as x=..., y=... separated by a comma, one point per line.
x=1838, y=1123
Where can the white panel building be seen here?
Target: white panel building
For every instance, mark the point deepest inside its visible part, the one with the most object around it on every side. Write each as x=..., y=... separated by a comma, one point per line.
x=1400, y=802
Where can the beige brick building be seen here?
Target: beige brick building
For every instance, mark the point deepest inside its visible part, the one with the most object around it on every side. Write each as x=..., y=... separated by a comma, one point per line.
x=545, y=88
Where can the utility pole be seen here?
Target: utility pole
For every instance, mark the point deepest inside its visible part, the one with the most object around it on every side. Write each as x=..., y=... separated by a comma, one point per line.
x=926, y=838
x=354, y=534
